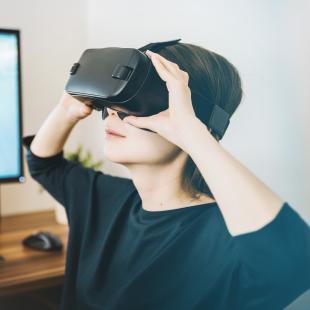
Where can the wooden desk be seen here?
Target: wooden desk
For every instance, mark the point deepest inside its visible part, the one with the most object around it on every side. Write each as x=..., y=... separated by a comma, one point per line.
x=25, y=269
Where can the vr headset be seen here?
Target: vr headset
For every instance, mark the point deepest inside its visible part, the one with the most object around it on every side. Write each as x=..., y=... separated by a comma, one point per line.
x=125, y=80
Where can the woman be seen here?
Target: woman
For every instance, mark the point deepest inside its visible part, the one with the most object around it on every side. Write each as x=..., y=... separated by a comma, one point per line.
x=193, y=228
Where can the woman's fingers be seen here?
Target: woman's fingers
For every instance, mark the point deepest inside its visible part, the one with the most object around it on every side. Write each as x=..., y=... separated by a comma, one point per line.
x=163, y=72
x=169, y=66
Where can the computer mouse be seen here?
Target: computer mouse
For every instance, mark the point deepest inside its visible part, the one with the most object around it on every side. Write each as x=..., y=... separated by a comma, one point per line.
x=43, y=240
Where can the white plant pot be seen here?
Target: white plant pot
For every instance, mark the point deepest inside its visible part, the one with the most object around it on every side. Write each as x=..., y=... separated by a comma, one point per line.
x=60, y=214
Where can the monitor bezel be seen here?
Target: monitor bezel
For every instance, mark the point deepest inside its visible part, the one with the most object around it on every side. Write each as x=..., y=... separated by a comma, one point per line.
x=21, y=177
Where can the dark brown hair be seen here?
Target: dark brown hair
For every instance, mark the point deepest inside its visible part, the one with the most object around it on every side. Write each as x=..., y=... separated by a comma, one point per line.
x=217, y=81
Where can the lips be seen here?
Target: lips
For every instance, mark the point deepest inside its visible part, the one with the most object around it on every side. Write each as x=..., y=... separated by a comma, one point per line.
x=113, y=132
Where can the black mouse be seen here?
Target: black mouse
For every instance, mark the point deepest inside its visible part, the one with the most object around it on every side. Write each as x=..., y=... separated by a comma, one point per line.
x=43, y=240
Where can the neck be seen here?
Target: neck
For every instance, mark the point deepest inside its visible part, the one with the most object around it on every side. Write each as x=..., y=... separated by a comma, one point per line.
x=161, y=193
x=160, y=190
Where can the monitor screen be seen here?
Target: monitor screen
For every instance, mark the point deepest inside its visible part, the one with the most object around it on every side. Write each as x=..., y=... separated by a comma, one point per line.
x=11, y=165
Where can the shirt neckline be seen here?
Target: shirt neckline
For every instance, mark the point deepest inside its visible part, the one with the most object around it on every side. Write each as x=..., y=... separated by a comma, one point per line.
x=186, y=209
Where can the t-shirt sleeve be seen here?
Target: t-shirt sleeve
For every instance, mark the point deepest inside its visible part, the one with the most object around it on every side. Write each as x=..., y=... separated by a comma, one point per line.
x=69, y=182
x=275, y=261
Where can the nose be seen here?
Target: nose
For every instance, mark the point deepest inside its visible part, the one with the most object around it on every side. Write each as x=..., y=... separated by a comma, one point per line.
x=108, y=111
x=111, y=111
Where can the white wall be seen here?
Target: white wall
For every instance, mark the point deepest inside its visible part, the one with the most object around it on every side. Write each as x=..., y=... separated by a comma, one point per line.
x=267, y=41
x=53, y=33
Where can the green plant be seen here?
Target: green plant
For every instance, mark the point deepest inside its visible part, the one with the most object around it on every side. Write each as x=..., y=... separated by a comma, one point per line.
x=85, y=161
x=78, y=157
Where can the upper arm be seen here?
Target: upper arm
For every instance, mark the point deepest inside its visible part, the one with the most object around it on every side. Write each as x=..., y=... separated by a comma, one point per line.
x=70, y=183
x=275, y=261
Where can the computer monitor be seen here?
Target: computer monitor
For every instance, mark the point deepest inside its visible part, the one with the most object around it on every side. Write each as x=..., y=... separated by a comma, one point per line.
x=11, y=157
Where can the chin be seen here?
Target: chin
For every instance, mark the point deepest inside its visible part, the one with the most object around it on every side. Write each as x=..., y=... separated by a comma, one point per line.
x=115, y=157
x=131, y=158
x=119, y=156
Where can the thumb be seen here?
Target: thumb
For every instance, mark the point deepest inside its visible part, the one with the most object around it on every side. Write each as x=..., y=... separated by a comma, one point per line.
x=139, y=121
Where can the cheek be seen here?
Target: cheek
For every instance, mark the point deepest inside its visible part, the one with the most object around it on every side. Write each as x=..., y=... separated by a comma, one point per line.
x=140, y=147
x=153, y=145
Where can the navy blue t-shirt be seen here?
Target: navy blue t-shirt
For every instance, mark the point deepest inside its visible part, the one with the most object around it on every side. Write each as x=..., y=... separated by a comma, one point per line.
x=122, y=257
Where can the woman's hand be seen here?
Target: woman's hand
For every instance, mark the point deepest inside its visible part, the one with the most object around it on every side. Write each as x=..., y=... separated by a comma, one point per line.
x=75, y=110
x=180, y=113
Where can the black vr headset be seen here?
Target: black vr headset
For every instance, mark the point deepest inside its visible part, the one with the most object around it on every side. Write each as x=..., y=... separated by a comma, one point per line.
x=125, y=80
